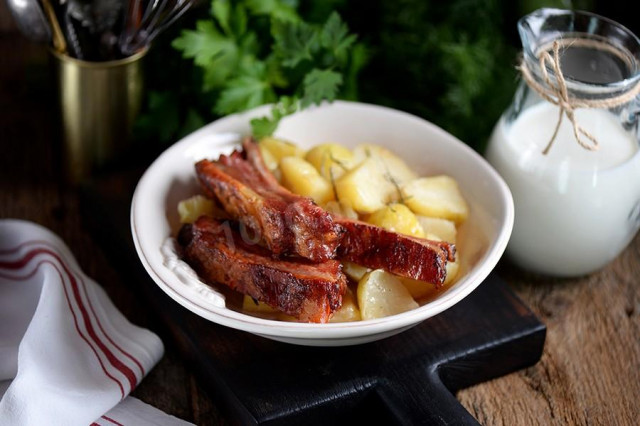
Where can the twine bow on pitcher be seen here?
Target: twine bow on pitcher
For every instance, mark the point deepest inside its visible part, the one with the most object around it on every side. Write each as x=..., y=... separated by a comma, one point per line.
x=557, y=93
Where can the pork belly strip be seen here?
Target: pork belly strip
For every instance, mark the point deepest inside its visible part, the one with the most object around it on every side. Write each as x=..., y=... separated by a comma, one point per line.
x=376, y=247
x=287, y=223
x=365, y=244
x=308, y=291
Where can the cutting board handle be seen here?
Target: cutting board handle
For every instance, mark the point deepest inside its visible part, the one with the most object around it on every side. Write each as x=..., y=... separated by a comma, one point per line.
x=421, y=400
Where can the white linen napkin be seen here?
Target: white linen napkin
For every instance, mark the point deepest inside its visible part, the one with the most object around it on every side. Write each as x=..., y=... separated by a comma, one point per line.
x=67, y=355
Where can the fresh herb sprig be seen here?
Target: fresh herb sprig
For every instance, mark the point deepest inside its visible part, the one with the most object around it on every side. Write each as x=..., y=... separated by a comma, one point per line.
x=254, y=52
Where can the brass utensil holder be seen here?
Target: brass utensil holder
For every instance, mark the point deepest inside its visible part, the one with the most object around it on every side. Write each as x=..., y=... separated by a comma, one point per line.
x=98, y=102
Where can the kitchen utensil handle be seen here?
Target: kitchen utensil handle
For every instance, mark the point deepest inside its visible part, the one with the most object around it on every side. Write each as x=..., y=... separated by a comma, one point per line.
x=59, y=43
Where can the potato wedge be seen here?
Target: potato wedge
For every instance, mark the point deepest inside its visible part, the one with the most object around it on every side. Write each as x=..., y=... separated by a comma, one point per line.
x=381, y=294
x=364, y=187
x=436, y=196
x=269, y=159
x=349, y=310
x=341, y=209
x=331, y=160
x=394, y=167
x=443, y=229
x=353, y=270
x=397, y=218
x=368, y=150
x=302, y=178
x=421, y=289
x=279, y=148
x=262, y=310
x=453, y=268
x=192, y=208
x=257, y=307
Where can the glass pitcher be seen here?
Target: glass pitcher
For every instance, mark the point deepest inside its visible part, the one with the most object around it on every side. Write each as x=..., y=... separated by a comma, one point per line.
x=568, y=146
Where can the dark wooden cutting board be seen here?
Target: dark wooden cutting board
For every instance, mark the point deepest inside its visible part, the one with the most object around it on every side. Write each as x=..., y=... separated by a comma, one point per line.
x=410, y=378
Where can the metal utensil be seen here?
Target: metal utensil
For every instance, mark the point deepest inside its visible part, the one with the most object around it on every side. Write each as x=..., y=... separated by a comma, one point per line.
x=95, y=25
x=30, y=19
x=59, y=42
x=75, y=47
x=158, y=16
x=132, y=21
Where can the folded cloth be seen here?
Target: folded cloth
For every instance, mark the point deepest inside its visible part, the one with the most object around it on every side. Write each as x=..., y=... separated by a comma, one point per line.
x=67, y=355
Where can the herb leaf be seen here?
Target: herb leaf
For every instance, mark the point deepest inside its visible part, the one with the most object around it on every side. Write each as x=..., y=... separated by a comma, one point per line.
x=265, y=126
x=320, y=85
x=213, y=52
x=335, y=37
x=246, y=60
x=221, y=10
x=275, y=8
x=243, y=93
x=294, y=41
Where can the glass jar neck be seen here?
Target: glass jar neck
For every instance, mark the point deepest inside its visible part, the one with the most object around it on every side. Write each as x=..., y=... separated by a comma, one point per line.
x=598, y=58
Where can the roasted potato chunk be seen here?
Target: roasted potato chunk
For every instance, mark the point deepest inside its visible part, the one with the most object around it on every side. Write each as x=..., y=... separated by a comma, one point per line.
x=279, y=148
x=437, y=196
x=381, y=294
x=269, y=159
x=258, y=308
x=421, y=289
x=397, y=218
x=365, y=187
x=301, y=177
x=375, y=181
x=442, y=229
x=341, y=209
x=349, y=310
x=354, y=271
x=192, y=208
x=393, y=167
x=331, y=160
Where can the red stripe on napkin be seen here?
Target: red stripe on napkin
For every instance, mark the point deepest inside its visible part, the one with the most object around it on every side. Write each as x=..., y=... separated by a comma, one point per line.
x=125, y=353
x=113, y=360
x=46, y=243
x=109, y=419
x=75, y=320
x=8, y=265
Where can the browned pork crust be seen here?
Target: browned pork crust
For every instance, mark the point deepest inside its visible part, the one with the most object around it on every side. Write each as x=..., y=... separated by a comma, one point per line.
x=290, y=224
x=287, y=223
x=372, y=246
x=308, y=291
x=376, y=247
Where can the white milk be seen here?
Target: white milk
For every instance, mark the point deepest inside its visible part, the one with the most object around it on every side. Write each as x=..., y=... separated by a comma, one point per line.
x=575, y=210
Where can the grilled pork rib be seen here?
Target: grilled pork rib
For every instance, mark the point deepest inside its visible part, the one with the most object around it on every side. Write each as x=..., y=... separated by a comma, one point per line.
x=287, y=223
x=372, y=246
x=292, y=224
x=308, y=291
x=376, y=247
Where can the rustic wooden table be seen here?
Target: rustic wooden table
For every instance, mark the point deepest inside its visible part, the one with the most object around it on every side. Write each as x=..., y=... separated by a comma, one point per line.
x=589, y=372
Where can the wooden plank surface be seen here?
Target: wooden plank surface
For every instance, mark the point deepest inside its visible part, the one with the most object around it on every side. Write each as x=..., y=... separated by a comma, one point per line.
x=590, y=368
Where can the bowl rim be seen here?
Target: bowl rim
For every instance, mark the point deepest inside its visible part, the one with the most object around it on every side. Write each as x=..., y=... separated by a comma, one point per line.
x=335, y=331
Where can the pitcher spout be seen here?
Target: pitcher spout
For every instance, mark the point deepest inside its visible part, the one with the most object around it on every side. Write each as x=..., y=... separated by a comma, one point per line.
x=594, y=51
x=534, y=29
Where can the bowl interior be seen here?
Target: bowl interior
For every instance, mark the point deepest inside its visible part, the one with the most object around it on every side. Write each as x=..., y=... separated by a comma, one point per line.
x=426, y=148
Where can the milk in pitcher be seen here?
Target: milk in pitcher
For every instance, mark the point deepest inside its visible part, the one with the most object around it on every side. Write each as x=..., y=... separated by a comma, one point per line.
x=573, y=207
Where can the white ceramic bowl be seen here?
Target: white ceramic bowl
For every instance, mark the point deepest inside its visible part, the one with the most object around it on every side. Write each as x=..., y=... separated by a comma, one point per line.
x=425, y=147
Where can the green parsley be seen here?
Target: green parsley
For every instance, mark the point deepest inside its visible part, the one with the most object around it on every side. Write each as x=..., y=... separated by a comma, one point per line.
x=254, y=52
